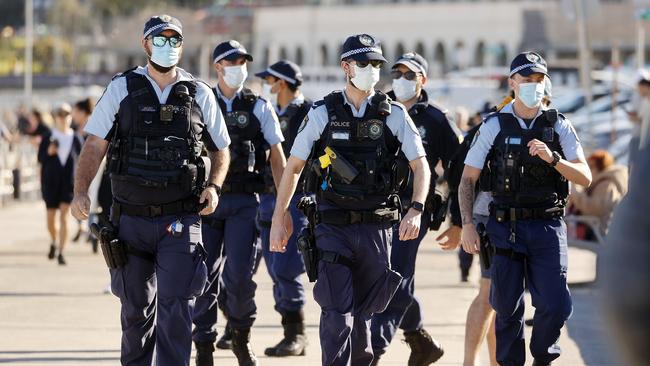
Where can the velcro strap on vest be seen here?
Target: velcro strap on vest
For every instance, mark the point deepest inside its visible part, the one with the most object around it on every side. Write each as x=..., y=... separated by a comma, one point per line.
x=335, y=258
x=509, y=253
x=345, y=217
x=504, y=214
x=173, y=208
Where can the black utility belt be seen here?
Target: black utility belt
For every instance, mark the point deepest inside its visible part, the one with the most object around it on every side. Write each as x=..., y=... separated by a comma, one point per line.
x=248, y=188
x=173, y=208
x=504, y=214
x=345, y=217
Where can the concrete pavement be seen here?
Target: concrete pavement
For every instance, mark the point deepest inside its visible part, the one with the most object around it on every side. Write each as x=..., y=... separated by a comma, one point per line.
x=52, y=315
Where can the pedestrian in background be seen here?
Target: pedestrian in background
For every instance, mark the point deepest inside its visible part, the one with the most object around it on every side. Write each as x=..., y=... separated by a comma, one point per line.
x=58, y=153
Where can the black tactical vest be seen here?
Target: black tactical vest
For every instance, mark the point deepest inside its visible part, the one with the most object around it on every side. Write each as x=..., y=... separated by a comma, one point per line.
x=369, y=147
x=248, y=149
x=155, y=151
x=290, y=122
x=517, y=179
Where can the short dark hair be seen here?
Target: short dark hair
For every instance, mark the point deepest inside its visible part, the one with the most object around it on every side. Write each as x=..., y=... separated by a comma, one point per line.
x=86, y=105
x=644, y=82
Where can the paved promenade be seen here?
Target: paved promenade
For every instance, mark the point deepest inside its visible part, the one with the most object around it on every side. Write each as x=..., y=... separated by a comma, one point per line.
x=52, y=315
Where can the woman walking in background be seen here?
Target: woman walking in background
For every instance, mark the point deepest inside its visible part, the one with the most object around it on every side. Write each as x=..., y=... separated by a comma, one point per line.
x=57, y=154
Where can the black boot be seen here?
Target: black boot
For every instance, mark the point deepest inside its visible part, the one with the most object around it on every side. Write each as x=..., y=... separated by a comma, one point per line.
x=424, y=350
x=294, y=341
x=539, y=363
x=61, y=259
x=241, y=347
x=52, y=252
x=225, y=342
x=204, y=352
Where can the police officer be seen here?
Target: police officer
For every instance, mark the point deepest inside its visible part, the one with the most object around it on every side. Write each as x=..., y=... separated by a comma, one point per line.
x=441, y=140
x=525, y=155
x=283, y=79
x=363, y=144
x=255, y=132
x=158, y=119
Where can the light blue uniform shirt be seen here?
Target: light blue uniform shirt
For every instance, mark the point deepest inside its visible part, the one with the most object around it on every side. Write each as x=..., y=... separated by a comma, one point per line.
x=489, y=130
x=102, y=119
x=264, y=112
x=398, y=122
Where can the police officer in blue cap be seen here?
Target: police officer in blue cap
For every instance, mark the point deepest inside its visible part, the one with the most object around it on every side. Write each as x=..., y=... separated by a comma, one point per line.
x=155, y=122
x=441, y=140
x=363, y=145
x=256, y=140
x=283, y=79
x=525, y=155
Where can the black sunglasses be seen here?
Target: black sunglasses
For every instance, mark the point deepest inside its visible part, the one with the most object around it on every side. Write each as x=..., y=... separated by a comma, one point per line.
x=375, y=63
x=174, y=41
x=409, y=75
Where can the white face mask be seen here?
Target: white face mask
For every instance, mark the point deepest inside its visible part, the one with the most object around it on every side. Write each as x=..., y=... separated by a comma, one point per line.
x=365, y=78
x=268, y=94
x=234, y=76
x=165, y=56
x=531, y=94
x=404, y=89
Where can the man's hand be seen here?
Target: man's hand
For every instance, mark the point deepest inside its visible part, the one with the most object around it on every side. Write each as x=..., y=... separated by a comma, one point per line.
x=469, y=239
x=209, y=194
x=52, y=149
x=409, y=228
x=281, y=229
x=538, y=148
x=80, y=206
x=452, y=236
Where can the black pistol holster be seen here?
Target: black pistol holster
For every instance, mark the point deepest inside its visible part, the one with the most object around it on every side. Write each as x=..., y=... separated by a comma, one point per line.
x=114, y=250
x=437, y=205
x=306, y=242
x=487, y=251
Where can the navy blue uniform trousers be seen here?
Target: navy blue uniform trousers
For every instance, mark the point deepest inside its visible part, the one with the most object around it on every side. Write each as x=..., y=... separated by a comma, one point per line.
x=404, y=309
x=544, y=270
x=348, y=297
x=235, y=238
x=157, y=295
x=285, y=268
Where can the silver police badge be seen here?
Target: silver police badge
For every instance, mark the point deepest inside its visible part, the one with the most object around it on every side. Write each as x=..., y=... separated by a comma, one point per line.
x=242, y=120
x=366, y=40
x=284, y=124
x=234, y=44
x=534, y=58
x=165, y=18
x=374, y=131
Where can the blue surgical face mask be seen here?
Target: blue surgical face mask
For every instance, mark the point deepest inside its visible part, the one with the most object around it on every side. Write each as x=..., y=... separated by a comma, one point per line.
x=531, y=94
x=165, y=56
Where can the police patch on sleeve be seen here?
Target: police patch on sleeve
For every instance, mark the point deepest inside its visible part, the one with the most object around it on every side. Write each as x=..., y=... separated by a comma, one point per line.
x=303, y=124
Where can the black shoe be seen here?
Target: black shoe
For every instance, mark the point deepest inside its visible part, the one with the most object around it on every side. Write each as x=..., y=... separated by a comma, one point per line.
x=529, y=322
x=294, y=342
x=539, y=363
x=241, y=347
x=61, y=260
x=204, y=352
x=95, y=244
x=375, y=360
x=225, y=342
x=424, y=349
x=52, y=252
x=76, y=236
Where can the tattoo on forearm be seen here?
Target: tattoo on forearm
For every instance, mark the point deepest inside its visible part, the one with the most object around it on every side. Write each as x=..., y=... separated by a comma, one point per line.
x=466, y=199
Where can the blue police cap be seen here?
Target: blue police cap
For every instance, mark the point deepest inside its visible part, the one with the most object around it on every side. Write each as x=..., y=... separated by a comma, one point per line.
x=527, y=63
x=285, y=70
x=158, y=23
x=414, y=61
x=362, y=47
x=230, y=50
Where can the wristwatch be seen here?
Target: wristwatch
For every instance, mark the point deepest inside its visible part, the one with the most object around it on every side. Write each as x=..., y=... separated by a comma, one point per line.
x=556, y=158
x=216, y=188
x=417, y=206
